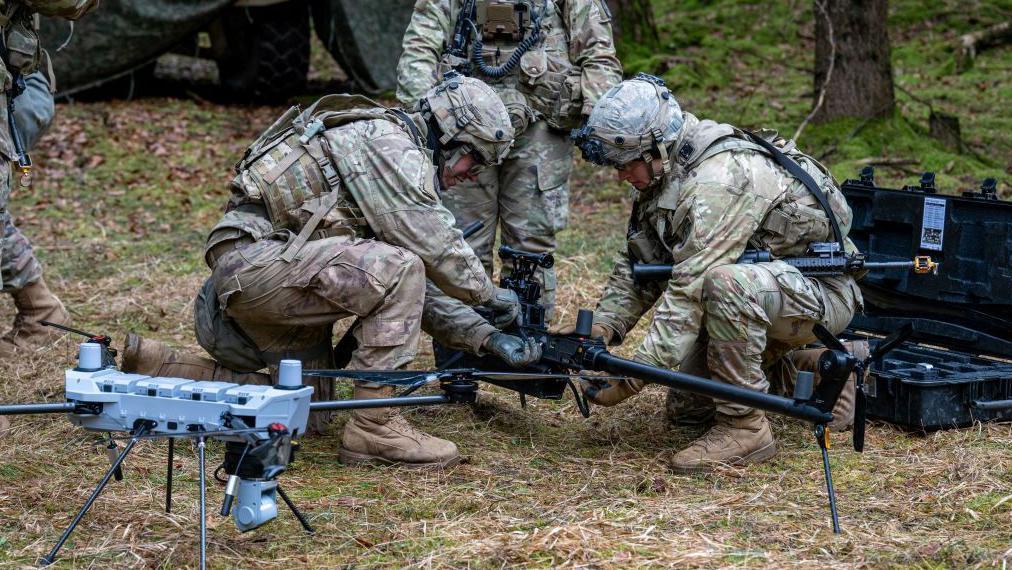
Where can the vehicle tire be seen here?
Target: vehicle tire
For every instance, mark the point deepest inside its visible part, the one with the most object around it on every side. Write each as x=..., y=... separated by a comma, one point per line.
x=266, y=55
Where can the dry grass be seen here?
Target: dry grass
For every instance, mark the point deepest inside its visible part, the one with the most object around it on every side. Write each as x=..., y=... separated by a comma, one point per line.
x=542, y=487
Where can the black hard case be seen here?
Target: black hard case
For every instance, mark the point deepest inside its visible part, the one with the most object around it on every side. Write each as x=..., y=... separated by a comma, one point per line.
x=957, y=367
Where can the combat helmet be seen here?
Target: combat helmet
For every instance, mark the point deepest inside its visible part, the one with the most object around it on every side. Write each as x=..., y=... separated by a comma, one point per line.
x=470, y=117
x=636, y=119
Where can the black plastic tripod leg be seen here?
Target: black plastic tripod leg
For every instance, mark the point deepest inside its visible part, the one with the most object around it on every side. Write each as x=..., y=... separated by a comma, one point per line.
x=822, y=436
x=298, y=514
x=168, y=475
x=49, y=558
x=203, y=505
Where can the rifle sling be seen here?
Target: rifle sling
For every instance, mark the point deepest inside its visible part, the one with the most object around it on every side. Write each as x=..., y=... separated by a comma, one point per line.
x=795, y=170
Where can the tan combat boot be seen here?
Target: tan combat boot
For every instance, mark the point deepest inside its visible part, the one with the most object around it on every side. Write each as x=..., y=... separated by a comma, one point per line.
x=733, y=440
x=381, y=436
x=155, y=358
x=843, y=412
x=34, y=303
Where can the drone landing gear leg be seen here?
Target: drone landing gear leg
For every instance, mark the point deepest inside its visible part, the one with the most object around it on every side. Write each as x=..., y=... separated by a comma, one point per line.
x=298, y=514
x=140, y=432
x=203, y=505
x=822, y=437
x=168, y=475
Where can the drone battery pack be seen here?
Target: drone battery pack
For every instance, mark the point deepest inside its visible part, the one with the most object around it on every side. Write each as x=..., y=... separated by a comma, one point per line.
x=956, y=368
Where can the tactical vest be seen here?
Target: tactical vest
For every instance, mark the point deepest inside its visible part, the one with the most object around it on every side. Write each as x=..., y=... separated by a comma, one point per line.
x=544, y=81
x=289, y=169
x=21, y=36
x=795, y=220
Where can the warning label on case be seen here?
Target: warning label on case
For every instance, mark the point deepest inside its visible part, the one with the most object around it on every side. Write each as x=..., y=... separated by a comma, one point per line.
x=933, y=224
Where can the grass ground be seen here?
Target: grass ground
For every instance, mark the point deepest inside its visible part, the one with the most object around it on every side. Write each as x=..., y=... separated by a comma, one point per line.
x=126, y=190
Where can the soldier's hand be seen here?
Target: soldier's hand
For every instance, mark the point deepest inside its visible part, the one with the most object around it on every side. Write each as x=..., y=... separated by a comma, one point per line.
x=513, y=350
x=609, y=392
x=595, y=331
x=505, y=306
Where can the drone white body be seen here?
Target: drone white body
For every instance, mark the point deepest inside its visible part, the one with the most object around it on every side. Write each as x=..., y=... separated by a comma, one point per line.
x=179, y=406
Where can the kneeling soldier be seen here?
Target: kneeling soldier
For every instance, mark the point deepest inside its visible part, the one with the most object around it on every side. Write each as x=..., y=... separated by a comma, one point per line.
x=335, y=212
x=706, y=193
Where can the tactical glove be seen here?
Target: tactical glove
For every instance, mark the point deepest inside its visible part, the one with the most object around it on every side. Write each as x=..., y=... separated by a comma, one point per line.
x=505, y=307
x=610, y=392
x=513, y=350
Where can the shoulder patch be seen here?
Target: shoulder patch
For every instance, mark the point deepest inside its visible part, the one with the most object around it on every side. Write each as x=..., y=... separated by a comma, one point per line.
x=702, y=137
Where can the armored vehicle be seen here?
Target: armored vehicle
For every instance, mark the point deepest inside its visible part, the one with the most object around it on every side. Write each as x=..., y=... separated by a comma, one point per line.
x=261, y=47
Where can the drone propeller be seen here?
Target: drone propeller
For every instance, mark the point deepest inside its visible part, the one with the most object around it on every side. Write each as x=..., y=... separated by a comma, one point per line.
x=860, y=398
x=827, y=338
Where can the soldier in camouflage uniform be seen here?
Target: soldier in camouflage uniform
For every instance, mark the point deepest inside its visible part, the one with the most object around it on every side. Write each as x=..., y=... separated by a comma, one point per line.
x=334, y=213
x=549, y=60
x=20, y=272
x=706, y=192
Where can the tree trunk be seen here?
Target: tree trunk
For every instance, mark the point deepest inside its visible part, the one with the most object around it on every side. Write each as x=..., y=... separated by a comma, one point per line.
x=852, y=48
x=633, y=21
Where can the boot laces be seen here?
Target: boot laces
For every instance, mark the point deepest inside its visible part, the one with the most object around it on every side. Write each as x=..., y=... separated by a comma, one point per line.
x=400, y=425
x=719, y=437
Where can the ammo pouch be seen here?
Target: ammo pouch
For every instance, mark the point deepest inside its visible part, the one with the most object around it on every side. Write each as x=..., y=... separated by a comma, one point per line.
x=221, y=337
x=21, y=35
x=557, y=96
x=643, y=249
x=790, y=227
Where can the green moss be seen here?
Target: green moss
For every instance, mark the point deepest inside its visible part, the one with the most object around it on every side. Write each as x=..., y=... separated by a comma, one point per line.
x=749, y=63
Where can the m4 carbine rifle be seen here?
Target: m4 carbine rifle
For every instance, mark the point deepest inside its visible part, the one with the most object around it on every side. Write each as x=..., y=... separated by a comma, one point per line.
x=824, y=258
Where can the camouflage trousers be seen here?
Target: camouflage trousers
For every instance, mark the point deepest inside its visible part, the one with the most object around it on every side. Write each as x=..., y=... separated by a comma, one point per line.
x=288, y=309
x=18, y=265
x=33, y=111
x=754, y=315
x=526, y=197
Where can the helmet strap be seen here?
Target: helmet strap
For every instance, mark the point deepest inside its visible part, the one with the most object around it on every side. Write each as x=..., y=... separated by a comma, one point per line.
x=432, y=136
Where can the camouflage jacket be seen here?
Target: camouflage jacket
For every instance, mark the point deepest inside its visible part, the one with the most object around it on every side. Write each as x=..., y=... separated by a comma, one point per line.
x=19, y=24
x=559, y=79
x=391, y=183
x=725, y=195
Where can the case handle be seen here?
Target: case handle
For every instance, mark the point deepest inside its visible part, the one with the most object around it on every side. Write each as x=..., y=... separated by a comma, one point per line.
x=992, y=405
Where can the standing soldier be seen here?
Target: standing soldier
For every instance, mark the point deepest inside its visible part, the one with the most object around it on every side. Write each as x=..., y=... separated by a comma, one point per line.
x=22, y=55
x=550, y=61
x=706, y=193
x=334, y=213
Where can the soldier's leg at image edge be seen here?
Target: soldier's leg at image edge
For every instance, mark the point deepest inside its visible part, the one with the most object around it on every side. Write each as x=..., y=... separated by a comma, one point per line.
x=534, y=197
x=747, y=306
x=22, y=279
x=20, y=271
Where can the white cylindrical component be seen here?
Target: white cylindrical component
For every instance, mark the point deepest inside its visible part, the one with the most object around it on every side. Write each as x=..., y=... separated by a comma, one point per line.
x=89, y=357
x=290, y=373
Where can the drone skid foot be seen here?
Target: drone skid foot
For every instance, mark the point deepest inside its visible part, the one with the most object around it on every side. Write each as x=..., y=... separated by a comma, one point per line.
x=51, y=557
x=295, y=511
x=168, y=474
x=203, y=504
x=822, y=436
